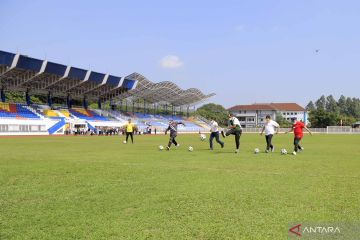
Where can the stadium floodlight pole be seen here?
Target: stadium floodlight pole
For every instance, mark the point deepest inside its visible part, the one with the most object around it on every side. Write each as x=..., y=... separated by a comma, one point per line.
x=3, y=95
x=49, y=99
x=68, y=101
x=144, y=107
x=99, y=103
x=85, y=105
x=27, y=97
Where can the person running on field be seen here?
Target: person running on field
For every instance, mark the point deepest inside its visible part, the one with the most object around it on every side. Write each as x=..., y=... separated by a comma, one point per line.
x=129, y=130
x=234, y=128
x=297, y=128
x=215, y=134
x=269, y=128
x=173, y=128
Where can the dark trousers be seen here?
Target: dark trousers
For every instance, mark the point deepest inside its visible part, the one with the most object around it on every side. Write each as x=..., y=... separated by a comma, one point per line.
x=131, y=136
x=172, y=140
x=237, y=133
x=268, y=142
x=297, y=144
x=216, y=136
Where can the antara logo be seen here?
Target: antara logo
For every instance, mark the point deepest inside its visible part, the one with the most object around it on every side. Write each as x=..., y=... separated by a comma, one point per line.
x=297, y=230
x=321, y=229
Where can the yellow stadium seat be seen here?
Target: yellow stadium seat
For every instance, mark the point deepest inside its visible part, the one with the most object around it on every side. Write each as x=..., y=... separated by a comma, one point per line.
x=65, y=112
x=50, y=113
x=4, y=107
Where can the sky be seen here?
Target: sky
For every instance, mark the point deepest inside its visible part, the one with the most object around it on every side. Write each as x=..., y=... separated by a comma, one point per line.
x=244, y=51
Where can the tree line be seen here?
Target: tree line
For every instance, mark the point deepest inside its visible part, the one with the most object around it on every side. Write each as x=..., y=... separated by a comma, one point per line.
x=214, y=112
x=327, y=111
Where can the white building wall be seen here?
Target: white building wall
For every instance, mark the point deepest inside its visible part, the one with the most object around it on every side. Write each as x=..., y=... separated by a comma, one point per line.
x=257, y=118
x=288, y=115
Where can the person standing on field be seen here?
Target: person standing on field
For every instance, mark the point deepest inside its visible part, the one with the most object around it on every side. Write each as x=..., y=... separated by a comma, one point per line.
x=269, y=128
x=129, y=130
x=215, y=134
x=297, y=128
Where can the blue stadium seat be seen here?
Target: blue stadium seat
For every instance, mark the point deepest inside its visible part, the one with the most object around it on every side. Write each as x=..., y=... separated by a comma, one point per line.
x=18, y=111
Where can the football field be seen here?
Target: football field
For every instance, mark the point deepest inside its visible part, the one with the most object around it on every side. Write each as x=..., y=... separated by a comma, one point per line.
x=99, y=188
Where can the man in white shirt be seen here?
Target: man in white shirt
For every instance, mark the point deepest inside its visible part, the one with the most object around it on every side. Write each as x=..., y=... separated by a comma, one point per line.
x=215, y=134
x=233, y=129
x=270, y=128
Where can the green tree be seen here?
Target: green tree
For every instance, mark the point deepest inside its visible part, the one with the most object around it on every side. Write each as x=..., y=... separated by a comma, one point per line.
x=321, y=118
x=349, y=105
x=354, y=108
x=310, y=106
x=282, y=121
x=213, y=111
x=321, y=103
x=331, y=104
x=19, y=97
x=342, y=105
x=346, y=120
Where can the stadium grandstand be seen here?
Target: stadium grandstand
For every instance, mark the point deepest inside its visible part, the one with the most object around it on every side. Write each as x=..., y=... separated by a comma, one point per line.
x=132, y=96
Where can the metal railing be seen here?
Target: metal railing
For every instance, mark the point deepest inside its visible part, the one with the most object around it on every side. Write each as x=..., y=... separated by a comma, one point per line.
x=327, y=130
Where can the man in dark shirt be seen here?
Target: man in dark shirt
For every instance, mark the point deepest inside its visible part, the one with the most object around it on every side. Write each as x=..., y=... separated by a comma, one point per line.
x=173, y=125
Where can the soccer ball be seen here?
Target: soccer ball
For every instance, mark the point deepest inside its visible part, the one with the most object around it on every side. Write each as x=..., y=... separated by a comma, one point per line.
x=283, y=151
x=161, y=147
x=256, y=150
x=124, y=141
x=202, y=137
x=190, y=149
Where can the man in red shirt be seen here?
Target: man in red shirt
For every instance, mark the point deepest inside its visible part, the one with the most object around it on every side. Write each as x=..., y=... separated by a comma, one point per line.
x=297, y=128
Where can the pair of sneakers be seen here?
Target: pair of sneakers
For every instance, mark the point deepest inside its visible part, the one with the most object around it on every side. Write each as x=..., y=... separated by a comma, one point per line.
x=272, y=150
x=222, y=146
x=168, y=148
x=300, y=149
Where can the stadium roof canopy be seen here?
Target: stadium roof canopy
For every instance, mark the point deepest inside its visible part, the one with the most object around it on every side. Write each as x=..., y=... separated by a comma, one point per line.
x=164, y=92
x=22, y=73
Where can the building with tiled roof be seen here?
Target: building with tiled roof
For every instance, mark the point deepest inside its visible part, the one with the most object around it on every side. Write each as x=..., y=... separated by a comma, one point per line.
x=253, y=115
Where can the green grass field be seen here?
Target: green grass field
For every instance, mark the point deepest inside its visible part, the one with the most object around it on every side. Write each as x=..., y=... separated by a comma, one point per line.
x=100, y=188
